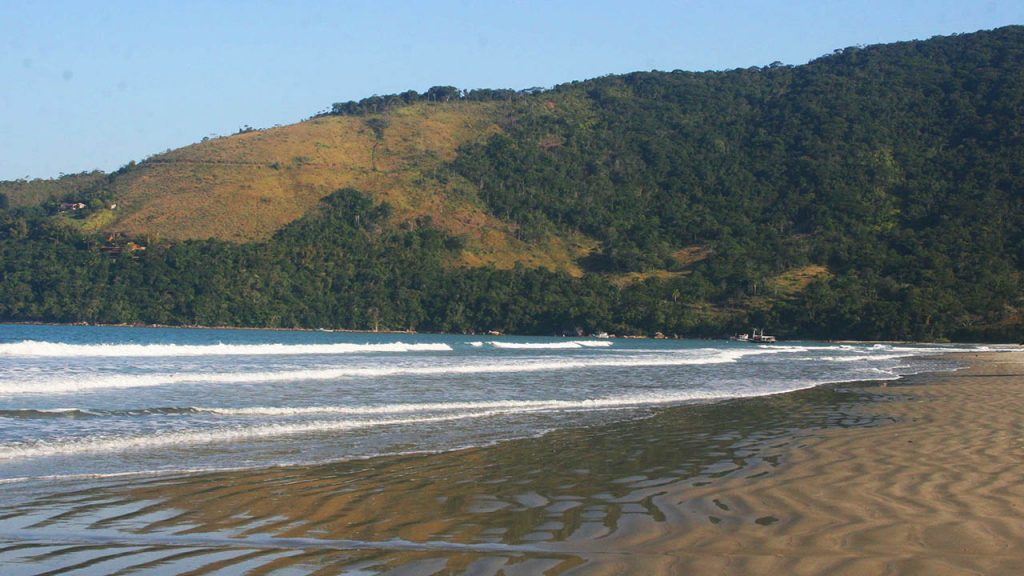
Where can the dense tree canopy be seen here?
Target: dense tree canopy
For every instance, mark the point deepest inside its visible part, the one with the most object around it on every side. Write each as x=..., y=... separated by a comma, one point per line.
x=877, y=192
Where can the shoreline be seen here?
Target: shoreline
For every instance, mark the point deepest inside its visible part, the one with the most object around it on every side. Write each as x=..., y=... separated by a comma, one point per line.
x=651, y=410
x=912, y=476
x=933, y=492
x=414, y=332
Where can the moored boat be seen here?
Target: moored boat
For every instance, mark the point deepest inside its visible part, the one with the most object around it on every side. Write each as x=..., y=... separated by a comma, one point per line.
x=754, y=336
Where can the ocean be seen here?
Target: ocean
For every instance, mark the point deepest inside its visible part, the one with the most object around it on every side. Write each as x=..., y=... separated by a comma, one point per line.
x=82, y=401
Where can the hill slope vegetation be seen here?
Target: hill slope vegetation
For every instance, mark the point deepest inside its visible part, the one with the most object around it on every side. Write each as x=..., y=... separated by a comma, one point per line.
x=877, y=192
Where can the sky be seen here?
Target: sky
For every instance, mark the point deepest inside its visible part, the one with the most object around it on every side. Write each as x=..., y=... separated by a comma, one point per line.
x=94, y=85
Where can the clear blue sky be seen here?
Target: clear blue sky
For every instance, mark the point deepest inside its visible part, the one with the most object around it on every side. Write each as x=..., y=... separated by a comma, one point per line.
x=96, y=84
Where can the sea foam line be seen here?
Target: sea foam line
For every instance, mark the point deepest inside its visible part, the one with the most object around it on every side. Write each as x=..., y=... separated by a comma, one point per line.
x=478, y=410
x=863, y=357
x=61, y=349
x=189, y=438
x=566, y=345
x=146, y=380
x=510, y=406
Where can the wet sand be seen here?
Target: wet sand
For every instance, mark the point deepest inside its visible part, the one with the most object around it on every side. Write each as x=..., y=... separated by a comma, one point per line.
x=940, y=491
x=923, y=477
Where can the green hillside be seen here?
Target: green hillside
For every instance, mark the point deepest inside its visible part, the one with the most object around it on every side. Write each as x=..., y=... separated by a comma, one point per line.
x=245, y=187
x=23, y=193
x=877, y=192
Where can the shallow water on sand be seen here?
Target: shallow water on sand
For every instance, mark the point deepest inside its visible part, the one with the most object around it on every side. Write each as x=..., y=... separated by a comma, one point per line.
x=109, y=401
x=526, y=506
x=214, y=451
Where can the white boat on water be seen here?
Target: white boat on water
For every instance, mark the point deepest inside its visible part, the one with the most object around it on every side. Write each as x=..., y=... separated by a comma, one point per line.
x=754, y=336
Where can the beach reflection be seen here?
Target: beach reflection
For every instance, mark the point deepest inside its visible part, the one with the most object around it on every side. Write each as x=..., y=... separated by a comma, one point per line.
x=542, y=505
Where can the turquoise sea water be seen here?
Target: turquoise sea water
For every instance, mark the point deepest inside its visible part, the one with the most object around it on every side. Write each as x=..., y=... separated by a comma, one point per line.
x=78, y=400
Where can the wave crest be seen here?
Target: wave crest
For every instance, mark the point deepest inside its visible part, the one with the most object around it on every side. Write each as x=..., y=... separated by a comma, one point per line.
x=567, y=345
x=62, y=349
x=417, y=414
x=49, y=386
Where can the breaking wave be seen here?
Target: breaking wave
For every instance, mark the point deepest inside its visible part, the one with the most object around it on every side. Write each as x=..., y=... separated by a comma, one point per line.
x=420, y=414
x=190, y=438
x=61, y=349
x=568, y=345
x=71, y=385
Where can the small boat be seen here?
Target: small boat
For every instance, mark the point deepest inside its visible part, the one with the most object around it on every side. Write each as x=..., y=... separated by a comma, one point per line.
x=754, y=336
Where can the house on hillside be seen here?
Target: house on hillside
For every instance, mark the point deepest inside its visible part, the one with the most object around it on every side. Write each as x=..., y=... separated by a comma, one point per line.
x=70, y=206
x=116, y=245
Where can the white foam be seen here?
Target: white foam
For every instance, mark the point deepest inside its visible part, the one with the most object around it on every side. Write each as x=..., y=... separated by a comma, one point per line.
x=594, y=343
x=505, y=406
x=61, y=349
x=939, y=349
x=567, y=345
x=534, y=345
x=116, y=444
x=779, y=348
x=862, y=358
x=83, y=384
x=465, y=410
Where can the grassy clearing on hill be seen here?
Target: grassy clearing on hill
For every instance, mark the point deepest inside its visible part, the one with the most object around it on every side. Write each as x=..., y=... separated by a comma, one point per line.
x=247, y=186
x=872, y=193
x=792, y=282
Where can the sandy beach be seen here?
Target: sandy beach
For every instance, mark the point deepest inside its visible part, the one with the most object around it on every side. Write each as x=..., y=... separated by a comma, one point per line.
x=923, y=476
x=939, y=491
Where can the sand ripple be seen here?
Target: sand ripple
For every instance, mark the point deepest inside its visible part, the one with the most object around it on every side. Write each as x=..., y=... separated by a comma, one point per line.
x=924, y=478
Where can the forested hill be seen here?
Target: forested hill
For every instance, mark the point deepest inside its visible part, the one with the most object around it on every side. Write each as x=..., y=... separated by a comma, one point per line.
x=877, y=192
